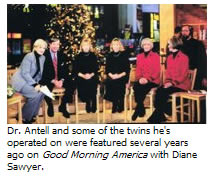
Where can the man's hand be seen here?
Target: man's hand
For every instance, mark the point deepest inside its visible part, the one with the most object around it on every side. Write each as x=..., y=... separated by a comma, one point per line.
x=58, y=83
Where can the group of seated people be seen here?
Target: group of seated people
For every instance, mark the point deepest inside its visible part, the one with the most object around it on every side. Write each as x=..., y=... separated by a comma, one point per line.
x=48, y=67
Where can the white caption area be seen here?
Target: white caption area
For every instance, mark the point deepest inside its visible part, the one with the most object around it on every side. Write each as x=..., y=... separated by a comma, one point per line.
x=50, y=150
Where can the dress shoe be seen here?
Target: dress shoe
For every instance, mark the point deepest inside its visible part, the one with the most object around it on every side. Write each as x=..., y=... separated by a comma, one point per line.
x=50, y=111
x=94, y=107
x=27, y=122
x=93, y=110
x=168, y=109
x=120, y=110
x=30, y=121
x=16, y=117
x=163, y=118
x=135, y=115
x=64, y=111
x=114, y=108
x=120, y=105
x=66, y=114
x=141, y=112
x=153, y=118
x=157, y=118
x=33, y=119
x=88, y=109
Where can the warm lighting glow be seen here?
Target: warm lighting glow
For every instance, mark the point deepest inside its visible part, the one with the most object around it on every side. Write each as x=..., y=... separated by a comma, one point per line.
x=16, y=35
x=26, y=46
x=151, y=26
x=9, y=35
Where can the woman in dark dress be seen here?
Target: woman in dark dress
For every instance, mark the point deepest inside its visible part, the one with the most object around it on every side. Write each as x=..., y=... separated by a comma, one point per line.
x=177, y=79
x=117, y=70
x=86, y=68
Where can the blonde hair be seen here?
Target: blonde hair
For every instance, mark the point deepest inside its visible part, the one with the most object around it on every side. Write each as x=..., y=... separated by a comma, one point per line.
x=147, y=41
x=120, y=44
x=176, y=42
x=39, y=43
x=86, y=41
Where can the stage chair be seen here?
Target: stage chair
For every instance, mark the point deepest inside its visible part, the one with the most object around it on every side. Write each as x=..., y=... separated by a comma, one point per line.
x=127, y=92
x=150, y=95
x=10, y=73
x=193, y=99
x=78, y=112
x=13, y=113
x=125, y=107
x=173, y=98
x=58, y=92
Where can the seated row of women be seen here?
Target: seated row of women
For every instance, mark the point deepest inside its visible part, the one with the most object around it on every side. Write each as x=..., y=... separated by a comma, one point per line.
x=48, y=68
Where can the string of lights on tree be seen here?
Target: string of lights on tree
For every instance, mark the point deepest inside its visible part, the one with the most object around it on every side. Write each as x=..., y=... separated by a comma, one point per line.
x=71, y=24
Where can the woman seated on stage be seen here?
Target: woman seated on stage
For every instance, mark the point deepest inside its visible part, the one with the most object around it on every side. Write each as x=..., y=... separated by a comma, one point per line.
x=86, y=68
x=26, y=80
x=147, y=75
x=117, y=70
x=176, y=79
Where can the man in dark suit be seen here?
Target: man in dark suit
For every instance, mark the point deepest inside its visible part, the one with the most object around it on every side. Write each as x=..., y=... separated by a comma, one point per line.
x=196, y=52
x=56, y=74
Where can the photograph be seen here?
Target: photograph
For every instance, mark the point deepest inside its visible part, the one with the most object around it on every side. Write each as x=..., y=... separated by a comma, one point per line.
x=106, y=63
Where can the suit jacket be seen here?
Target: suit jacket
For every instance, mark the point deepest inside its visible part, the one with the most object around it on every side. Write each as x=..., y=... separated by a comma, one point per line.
x=49, y=72
x=25, y=73
x=196, y=52
x=148, y=67
x=177, y=71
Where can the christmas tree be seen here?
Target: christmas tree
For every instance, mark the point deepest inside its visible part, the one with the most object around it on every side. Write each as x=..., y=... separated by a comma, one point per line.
x=70, y=24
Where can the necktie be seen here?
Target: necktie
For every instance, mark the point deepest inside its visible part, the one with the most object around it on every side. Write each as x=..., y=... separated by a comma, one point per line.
x=55, y=63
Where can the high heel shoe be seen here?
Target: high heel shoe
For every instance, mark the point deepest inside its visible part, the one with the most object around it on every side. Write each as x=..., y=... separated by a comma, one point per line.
x=94, y=106
x=114, y=108
x=120, y=106
x=88, y=108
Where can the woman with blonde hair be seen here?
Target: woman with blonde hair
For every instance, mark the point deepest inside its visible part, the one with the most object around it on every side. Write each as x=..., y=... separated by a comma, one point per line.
x=28, y=78
x=147, y=75
x=117, y=70
x=86, y=69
